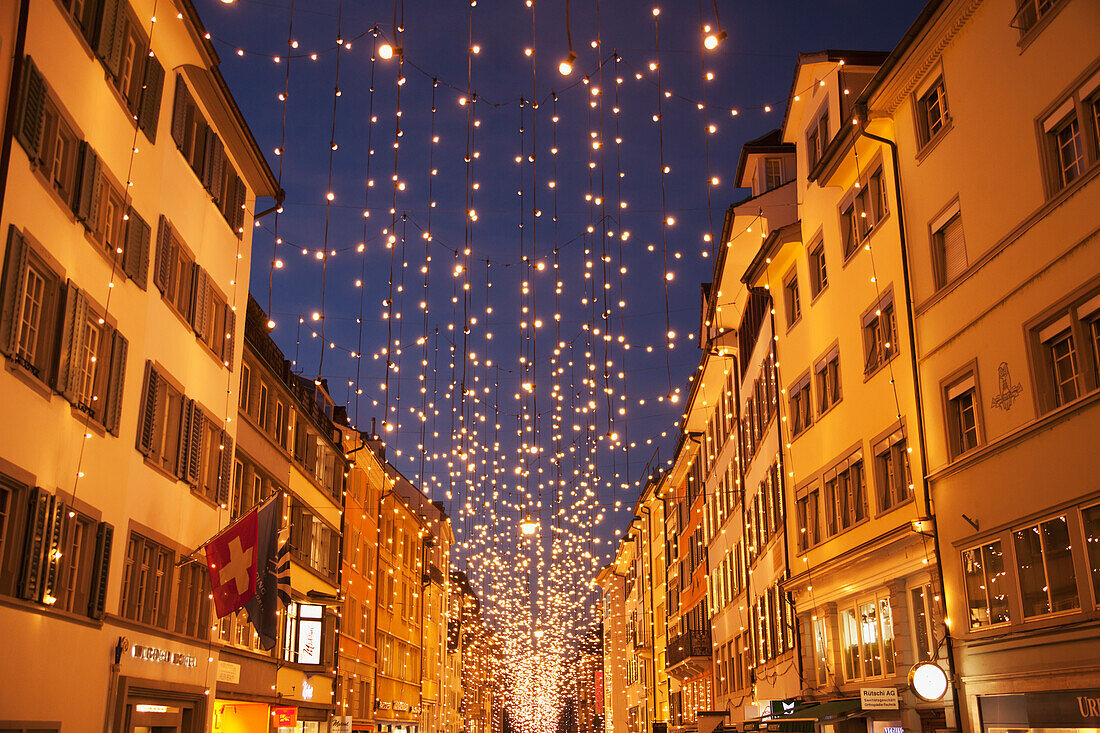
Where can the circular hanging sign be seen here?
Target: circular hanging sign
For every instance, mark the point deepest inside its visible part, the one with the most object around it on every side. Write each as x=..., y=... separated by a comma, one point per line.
x=928, y=681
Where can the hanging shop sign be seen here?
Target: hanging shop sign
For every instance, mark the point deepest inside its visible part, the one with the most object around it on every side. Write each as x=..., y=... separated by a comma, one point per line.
x=339, y=724
x=285, y=717
x=878, y=698
x=928, y=681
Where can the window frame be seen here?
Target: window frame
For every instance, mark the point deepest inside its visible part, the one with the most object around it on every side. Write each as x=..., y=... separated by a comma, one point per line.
x=937, y=237
x=792, y=299
x=885, y=346
x=1078, y=315
x=922, y=106
x=826, y=365
x=1075, y=105
x=818, y=267
x=890, y=494
x=963, y=380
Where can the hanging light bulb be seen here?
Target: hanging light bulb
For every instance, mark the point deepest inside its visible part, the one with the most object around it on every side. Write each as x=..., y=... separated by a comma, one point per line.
x=566, y=67
x=711, y=40
x=529, y=525
x=385, y=51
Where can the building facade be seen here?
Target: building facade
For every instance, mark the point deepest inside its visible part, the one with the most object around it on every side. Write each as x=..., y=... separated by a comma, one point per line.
x=129, y=184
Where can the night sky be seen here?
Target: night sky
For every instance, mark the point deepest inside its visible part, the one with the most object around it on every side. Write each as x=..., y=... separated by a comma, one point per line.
x=752, y=68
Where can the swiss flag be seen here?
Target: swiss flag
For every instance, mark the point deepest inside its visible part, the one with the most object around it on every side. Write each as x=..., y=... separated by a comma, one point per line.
x=231, y=558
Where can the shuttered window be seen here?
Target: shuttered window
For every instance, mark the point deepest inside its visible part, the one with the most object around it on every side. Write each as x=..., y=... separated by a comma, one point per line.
x=30, y=296
x=950, y=251
x=52, y=554
x=146, y=582
x=91, y=370
x=205, y=153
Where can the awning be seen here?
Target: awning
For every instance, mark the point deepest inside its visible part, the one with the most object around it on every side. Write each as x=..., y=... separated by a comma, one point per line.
x=803, y=718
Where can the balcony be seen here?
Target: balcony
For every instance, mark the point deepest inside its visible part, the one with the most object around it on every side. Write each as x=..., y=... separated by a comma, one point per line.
x=688, y=654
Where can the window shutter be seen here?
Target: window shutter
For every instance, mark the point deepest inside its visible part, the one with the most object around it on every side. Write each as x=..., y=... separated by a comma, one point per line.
x=953, y=249
x=72, y=339
x=15, y=273
x=50, y=550
x=101, y=570
x=111, y=29
x=225, y=472
x=87, y=193
x=237, y=215
x=194, y=448
x=163, y=271
x=212, y=165
x=152, y=90
x=230, y=339
x=136, y=262
x=39, y=513
x=112, y=411
x=147, y=421
x=333, y=551
x=179, y=112
x=32, y=109
x=216, y=163
x=201, y=302
x=183, y=454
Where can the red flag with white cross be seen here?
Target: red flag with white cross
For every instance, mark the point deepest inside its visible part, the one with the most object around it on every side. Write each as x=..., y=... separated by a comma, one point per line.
x=231, y=559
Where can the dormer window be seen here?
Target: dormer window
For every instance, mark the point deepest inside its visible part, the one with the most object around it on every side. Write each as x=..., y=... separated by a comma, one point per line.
x=773, y=173
x=818, y=137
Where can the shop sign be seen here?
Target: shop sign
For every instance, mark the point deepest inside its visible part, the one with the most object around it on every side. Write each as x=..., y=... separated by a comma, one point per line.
x=1073, y=709
x=339, y=724
x=401, y=706
x=415, y=710
x=878, y=698
x=162, y=656
x=285, y=717
x=928, y=681
x=229, y=672
x=385, y=705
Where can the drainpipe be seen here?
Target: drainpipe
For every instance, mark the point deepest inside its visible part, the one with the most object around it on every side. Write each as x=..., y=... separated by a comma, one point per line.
x=862, y=119
x=18, y=50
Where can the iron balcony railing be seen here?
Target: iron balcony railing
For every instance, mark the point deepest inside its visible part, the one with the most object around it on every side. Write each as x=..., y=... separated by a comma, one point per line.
x=688, y=644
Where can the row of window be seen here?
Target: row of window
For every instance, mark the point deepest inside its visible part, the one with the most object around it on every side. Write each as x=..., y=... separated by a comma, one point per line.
x=356, y=621
x=55, y=333
x=842, y=493
x=726, y=581
x=1065, y=350
x=183, y=439
x=734, y=664
x=76, y=174
x=205, y=153
x=764, y=513
x=761, y=404
x=149, y=578
x=723, y=502
x=398, y=659
x=275, y=414
x=1034, y=571
x=880, y=346
x=313, y=542
x=773, y=618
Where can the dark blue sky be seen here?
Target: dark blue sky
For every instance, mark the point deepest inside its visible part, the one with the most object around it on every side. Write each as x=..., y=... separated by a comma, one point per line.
x=752, y=68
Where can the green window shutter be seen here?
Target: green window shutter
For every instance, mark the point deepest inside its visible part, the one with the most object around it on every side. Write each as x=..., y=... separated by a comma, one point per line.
x=32, y=109
x=112, y=410
x=72, y=339
x=194, y=445
x=179, y=112
x=165, y=257
x=111, y=28
x=201, y=302
x=15, y=273
x=151, y=91
x=225, y=472
x=183, y=453
x=230, y=339
x=101, y=570
x=51, y=552
x=88, y=188
x=237, y=216
x=147, y=420
x=39, y=513
x=136, y=260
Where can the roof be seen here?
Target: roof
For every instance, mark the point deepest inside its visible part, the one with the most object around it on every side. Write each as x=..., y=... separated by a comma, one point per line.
x=830, y=55
x=782, y=235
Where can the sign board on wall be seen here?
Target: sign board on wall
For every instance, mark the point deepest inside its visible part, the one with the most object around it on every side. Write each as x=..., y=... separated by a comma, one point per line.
x=229, y=672
x=878, y=698
x=285, y=717
x=340, y=724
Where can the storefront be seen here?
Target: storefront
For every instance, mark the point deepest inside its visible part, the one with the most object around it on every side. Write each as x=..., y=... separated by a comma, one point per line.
x=1071, y=710
x=235, y=716
x=160, y=687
